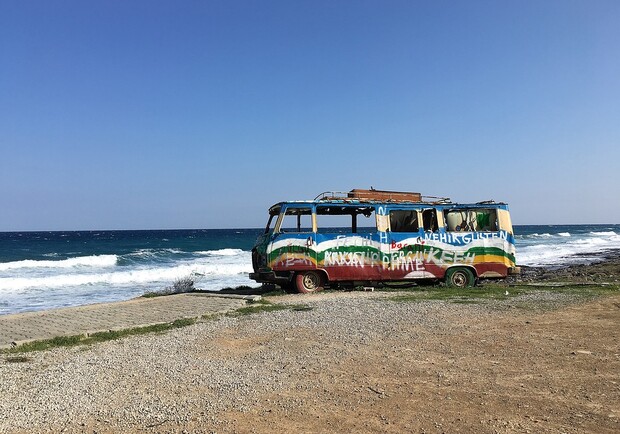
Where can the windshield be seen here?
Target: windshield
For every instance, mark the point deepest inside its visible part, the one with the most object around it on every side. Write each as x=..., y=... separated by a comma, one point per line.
x=274, y=211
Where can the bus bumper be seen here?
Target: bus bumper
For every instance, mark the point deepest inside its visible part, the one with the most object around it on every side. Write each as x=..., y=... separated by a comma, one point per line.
x=270, y=277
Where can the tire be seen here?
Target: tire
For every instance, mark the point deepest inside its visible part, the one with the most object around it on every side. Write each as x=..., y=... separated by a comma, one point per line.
x=460, y=278
x=309, y=281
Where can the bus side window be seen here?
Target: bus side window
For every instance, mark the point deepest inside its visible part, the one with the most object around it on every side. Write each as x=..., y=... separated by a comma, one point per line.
x=471, y=220
x=486, y=220
x=339, y=219
x=429, y=219
x=404, y=221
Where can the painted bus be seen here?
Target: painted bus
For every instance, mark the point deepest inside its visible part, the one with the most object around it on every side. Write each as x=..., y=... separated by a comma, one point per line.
x=369, y=237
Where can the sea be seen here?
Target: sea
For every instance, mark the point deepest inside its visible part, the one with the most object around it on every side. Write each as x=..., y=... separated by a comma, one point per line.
x=43, y=270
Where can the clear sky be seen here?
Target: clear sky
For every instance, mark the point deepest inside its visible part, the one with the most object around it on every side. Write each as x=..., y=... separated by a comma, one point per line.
x=201, y=114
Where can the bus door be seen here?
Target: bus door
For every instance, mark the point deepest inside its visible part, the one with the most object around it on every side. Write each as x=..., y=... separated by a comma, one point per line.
x=406, y=241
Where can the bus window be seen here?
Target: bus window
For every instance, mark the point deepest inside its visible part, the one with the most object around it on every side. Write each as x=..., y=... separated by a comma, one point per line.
x=429, y=218
x=336, y=219
x=471, y=220
x=404, y=221
x=297, y=220
x=273, y=218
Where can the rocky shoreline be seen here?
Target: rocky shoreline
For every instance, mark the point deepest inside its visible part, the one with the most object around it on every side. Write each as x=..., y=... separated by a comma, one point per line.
x=604, y=270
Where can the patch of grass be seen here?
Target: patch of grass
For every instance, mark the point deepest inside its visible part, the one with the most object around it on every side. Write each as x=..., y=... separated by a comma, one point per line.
x=18, y=359
x=155, y=328
x=71, y=341
x=265, y=306
x=260, y=301
x=238, y=288
x=182, y=285
x=458, y=295
x=499, y=292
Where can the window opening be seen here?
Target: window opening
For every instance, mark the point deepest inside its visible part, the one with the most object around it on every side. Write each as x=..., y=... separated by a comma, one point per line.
x=471, y=220
x=404, y=221
x=337, y=219
x=273, y=218
x=429, y=219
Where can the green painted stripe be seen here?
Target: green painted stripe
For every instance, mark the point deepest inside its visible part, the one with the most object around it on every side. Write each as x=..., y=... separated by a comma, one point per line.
x=370, y=250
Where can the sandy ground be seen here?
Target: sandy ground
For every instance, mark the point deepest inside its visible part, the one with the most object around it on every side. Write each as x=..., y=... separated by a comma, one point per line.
x=515, y=371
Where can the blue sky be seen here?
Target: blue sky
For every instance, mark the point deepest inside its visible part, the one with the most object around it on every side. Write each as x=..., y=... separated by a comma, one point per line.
x=201, y=114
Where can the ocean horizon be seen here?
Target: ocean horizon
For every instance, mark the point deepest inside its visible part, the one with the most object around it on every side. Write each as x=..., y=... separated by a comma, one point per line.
x=49, y=269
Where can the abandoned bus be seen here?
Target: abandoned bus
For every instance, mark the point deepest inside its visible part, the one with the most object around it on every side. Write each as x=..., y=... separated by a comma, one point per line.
x=366, y=237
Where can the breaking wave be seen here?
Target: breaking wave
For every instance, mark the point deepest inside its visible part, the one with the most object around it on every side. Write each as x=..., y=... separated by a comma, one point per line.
x=221, y=252
x=152, y=276
x=79, y=262
x=565, y=248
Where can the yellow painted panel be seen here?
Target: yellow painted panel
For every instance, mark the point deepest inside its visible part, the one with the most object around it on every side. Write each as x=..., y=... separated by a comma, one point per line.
x=505, y=222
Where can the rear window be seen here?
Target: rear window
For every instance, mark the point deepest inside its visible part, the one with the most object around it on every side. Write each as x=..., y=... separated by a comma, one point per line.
x=471, y=220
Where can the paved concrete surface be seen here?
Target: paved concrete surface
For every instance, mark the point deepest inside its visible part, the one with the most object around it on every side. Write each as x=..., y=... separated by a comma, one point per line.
x=24, y=327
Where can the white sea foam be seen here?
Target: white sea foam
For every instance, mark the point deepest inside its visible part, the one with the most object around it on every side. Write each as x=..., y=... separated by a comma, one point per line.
x=567, y=248
x=221, y=252
x=546, y=235
x=143, y=253
x=153, y=253
x=155, y=276
x=82, y=261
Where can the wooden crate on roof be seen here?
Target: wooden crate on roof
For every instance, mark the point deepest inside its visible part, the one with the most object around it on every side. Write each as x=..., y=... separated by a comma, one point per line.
x=384, y=195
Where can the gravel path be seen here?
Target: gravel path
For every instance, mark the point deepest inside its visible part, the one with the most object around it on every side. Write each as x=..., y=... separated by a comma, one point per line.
x=204, y=377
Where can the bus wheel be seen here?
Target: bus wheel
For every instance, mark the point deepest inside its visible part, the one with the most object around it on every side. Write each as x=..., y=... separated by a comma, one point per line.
x=460, y=277
x=309, y=281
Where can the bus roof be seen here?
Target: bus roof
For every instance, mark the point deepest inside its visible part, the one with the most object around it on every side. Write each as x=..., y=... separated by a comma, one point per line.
x=381, y=197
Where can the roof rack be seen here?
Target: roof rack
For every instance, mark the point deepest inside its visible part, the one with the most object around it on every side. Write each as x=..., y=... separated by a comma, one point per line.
x=379, y=195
